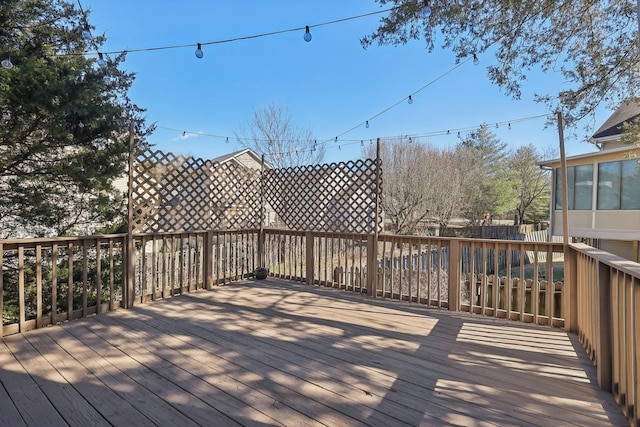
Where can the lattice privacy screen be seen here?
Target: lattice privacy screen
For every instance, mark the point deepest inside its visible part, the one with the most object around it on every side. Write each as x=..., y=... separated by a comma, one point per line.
x=177, y=193
x=174, y=193
x=339, y=197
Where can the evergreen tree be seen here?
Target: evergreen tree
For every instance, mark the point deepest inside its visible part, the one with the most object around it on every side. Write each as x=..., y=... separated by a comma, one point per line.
x=489, y=187
x=64, y=115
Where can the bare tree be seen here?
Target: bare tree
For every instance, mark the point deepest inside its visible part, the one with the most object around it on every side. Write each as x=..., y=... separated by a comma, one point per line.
x=272, y=133
x=420, y=184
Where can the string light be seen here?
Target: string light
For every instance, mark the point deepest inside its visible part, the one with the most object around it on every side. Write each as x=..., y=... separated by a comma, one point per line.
x=410, y=100
x=101, y=60
x=86, y=33
x=254, y=36
x=426, y=10
x=7, y=64
x=199, y=53
x=307, y=34
x=476, y=60
x=227, y=141
x=347, y=142
x=367, y=124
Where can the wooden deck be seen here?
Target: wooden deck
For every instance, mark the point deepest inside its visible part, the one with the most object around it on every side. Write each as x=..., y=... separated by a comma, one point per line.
x=276, y=353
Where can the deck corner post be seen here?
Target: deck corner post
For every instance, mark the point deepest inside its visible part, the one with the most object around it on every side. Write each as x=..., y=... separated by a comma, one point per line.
x=309, y=255
x=604, y=323
x=455, y=268
x=372, y=265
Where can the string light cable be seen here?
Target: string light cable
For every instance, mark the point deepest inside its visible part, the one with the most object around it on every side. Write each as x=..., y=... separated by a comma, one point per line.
x=198, y=46
x=347, y=142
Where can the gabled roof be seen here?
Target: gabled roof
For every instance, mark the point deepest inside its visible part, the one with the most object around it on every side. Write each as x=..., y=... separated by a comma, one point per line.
x=628, y=111
x=230, y=156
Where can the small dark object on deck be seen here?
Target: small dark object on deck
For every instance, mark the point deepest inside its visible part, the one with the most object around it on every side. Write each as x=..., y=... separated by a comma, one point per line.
x=261, y=273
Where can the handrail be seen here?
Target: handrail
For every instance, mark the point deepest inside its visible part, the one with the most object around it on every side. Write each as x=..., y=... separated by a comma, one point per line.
x=608, y=306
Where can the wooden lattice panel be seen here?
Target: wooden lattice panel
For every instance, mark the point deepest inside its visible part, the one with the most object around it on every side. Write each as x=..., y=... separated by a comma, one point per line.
x=174, y=193
x=337, y=197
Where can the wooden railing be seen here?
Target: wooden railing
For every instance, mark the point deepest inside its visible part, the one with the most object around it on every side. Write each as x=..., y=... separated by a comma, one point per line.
x=47, y=281
x=501, y=278
x=591, y=292
x=167, y=264
x=608, y=322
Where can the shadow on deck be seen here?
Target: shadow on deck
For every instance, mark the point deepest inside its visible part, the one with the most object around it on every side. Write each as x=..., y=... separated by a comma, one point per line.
x=276, y=353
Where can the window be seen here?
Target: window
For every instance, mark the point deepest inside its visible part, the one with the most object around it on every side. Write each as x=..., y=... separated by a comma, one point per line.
x=609, y=185
x=579, y=187
x=619, y=185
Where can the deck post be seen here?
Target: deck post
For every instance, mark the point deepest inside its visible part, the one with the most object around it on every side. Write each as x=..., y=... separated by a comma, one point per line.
x=372, y=265
x=309, y=255
x=208, y=259
x=455, y=260
x=570, y=290
x=128, y=293
x=604, y=342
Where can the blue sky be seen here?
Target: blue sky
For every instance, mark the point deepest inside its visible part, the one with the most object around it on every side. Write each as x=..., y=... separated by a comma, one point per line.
x=330, y=84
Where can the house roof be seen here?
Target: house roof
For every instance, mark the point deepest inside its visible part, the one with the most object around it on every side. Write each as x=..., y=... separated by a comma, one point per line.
x=230, y=156
x=628, y=111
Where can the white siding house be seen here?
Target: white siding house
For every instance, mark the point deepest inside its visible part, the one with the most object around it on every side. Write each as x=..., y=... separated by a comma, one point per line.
x=603, y=190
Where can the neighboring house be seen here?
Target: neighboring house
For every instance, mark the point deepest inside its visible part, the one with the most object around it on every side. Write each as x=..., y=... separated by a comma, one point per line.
x=174, y=192
x=603, y=190
x=251, y=160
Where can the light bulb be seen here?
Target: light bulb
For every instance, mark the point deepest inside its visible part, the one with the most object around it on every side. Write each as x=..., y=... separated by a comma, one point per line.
x=426, y=10
x=476, y=61
x=509, y=126
x=199, y=53
x=6, y=63
x=367, y=124
x=106, y=78
x=410, y=100
x=86, y=33
x=410, y=140
x=362, y=143
x=227, y=141
x=307, y=34
x=101, y=61
x=80, y=124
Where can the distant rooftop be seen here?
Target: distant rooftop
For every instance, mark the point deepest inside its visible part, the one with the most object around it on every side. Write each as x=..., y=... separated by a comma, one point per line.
x=628, y=111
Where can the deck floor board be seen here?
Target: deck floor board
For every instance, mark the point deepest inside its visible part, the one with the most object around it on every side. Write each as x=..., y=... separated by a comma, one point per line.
x=277, y=353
